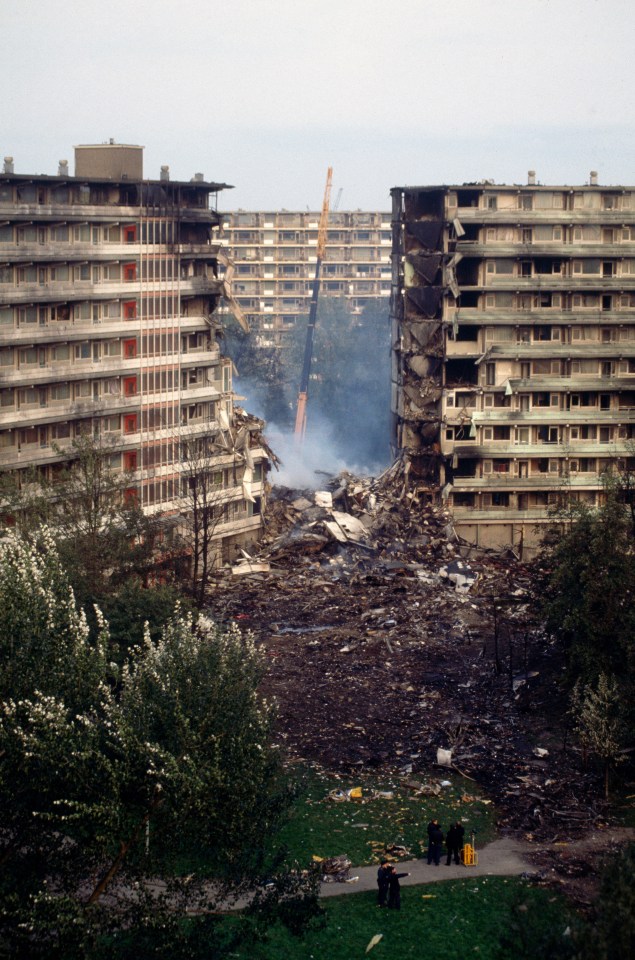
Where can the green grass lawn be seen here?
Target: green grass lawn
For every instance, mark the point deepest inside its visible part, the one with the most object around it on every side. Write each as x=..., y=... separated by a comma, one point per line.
x=362, y=828
x=492, y=918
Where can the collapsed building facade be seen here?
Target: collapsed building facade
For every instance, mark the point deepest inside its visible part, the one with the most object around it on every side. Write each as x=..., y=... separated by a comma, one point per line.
x=513, y=373
x=108, y=288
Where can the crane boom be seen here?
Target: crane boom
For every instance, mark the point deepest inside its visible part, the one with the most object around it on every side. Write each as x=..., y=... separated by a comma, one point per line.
x=300, y=417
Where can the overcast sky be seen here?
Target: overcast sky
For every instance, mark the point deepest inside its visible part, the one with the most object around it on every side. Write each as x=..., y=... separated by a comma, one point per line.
x=266, y=94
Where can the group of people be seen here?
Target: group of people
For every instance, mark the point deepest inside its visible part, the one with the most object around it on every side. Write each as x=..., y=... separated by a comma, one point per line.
x=389, y=891
x=453, y=842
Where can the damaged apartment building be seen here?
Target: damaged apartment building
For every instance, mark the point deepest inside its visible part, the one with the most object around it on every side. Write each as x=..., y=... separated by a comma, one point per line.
x=513, y=311
x=108, y=287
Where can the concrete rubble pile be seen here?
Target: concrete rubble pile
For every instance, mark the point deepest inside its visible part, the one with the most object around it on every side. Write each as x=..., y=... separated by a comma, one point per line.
x=389, y=638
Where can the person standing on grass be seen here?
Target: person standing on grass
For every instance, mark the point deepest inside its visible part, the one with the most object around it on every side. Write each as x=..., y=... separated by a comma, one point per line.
x=394, y=890
x=436, y=844
x=454, y=842
x=383, y=875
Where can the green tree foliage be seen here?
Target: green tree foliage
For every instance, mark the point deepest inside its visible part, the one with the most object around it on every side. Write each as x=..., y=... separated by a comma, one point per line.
x=589, y=605
x=597, y=713
x=589, y=596
x=105, y=780
x=102, y=534
x=612, y=936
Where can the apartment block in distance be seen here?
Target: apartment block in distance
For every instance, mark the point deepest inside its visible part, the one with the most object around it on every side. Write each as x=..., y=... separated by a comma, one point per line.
x=513, y=311
x=108, y=288
x=275, y=255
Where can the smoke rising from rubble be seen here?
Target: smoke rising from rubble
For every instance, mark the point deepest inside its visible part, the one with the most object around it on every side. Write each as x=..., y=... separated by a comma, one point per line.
x=348, y=411
x=305, y=462
x=326, y=448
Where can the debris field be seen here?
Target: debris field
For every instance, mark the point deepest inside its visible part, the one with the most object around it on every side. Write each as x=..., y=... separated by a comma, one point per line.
x=388, y=638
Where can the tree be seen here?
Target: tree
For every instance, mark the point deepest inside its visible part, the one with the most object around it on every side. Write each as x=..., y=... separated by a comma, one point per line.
x=597, y=714
x=612, y=936
x=204, y=502
x=105, y=779
x=589, y=591
x=103, y=536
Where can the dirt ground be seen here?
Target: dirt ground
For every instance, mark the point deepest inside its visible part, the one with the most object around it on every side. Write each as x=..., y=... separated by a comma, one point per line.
x=376, y=661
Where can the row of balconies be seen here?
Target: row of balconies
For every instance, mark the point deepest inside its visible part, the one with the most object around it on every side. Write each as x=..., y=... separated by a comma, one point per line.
x=499, y=513
x=516, y=350
x=106, y=290
x=44, y=409
x=91, y=369
x=579, y=283
x=56, y=332
x=539, y=415
x=554, y=248
x=573, y=383
x=506, y=448
x=102, y=213
x=534, y=481
x=519, y=317
x=102, y=252
x=528, y=217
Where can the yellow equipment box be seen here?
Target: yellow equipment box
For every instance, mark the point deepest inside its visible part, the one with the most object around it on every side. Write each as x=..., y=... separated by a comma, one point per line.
x=470, y=856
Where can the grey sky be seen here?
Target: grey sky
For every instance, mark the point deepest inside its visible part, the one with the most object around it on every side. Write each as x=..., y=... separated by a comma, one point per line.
x=265, y=94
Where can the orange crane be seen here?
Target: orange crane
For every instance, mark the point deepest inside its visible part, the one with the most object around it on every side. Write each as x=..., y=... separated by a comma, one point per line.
x=303, y=393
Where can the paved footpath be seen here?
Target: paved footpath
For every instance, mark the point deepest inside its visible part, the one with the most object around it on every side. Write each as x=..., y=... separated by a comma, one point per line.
x=502, y=858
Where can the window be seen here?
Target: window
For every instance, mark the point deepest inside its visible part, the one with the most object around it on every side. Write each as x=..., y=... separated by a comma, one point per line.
x=83, y=389
x=490, y=374
x=129, y=349
x=112, y=348
x=130, y=423
x=28, y=356
x=130, y=386
x=130, y=310
x=60, y=391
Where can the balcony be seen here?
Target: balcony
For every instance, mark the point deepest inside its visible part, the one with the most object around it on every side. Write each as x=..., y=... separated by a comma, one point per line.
x=107, y=290
x=505, y=449
x=555, y=248
x=529, y=217
x=102, y=213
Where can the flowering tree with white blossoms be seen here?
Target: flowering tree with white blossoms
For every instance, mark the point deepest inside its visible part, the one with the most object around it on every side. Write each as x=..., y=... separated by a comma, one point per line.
x=105, y=779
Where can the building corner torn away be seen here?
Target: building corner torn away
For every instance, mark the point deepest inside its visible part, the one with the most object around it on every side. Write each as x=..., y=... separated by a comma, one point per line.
x=422, y=277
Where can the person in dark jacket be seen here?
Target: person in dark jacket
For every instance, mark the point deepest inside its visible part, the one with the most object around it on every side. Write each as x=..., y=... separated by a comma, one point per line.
x=433, y=825
x=383, y=875
x=436, y=845
x=394, y=890
x=454, y=842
